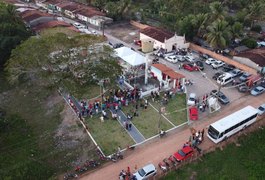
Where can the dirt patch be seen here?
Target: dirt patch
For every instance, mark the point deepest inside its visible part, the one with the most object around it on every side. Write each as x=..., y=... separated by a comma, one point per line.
x=124, y=31
x=70, y=135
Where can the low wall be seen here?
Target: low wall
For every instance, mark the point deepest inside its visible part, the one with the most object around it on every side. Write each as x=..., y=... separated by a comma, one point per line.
x=138, y=25
x=223, y=58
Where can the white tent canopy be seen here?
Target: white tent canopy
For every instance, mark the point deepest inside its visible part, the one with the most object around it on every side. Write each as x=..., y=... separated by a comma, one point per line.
x=131, y=57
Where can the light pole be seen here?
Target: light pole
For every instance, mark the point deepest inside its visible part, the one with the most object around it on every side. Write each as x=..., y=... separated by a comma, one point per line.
x=161, y=111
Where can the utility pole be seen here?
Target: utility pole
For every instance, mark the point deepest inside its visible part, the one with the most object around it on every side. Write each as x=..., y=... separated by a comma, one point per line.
x=161, y=111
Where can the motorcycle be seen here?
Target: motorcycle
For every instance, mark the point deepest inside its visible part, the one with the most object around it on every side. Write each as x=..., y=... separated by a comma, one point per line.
x=163, y=166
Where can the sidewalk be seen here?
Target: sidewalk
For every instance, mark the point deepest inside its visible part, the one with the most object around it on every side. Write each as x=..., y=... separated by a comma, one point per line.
x=134, y=132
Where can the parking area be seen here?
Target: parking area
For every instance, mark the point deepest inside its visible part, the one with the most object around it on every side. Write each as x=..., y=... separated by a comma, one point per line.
x=203, y=83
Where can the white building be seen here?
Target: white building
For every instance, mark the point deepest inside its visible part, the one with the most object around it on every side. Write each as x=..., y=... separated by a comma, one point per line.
x=163, y=39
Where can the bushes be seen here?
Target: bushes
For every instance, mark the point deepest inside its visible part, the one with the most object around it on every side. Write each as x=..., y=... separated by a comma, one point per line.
x=256, y=28
x=249, y=42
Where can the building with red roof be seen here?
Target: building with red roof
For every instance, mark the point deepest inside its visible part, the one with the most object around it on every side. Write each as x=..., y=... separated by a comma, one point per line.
x=162, y=38
x=167, y=76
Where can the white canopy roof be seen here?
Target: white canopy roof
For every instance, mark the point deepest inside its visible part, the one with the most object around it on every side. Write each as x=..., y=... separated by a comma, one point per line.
x=130, y=56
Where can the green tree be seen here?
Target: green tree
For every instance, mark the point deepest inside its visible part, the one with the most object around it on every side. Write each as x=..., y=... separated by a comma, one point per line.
x=51, y=59
x=12, y=31
x=200, y=22
x=255, y=11
x=218, y=34
x=218, y=11
x=186, y=28
x=236, y=30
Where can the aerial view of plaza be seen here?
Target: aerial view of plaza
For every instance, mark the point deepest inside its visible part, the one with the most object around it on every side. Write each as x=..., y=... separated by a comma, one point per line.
x=132, y=89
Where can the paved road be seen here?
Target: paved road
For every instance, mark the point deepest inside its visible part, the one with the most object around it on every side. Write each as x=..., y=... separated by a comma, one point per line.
x=133, y=132
x=162, y=148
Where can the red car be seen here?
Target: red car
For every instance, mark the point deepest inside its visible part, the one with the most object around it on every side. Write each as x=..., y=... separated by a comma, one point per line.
x=190, y=67
x=184, y=153
x=138, y=42
x=193, y=111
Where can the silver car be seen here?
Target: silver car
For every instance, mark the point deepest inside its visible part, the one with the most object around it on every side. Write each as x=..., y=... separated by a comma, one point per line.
x=145, y=172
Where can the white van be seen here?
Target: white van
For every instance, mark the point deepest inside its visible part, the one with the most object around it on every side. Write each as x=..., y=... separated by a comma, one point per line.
x=225, y=79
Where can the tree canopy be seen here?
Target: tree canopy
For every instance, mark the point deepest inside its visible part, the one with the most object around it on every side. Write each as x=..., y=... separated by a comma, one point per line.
x=12, y=31
x=51, y=59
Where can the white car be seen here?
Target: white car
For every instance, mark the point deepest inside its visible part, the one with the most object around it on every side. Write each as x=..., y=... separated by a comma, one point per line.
x=146, y=172
x=180, y=58
x=79, y=26
x=172, y=59
x=189, y=58
x=210, y=61
x=217, y=64
x=192, y=99
x=261, y=109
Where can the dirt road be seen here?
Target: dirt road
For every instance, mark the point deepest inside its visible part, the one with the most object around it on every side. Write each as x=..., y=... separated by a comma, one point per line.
x=162, y=148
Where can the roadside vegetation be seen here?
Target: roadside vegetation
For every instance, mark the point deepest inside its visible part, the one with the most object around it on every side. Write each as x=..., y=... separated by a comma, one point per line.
x=244, y=161
x=218, y=23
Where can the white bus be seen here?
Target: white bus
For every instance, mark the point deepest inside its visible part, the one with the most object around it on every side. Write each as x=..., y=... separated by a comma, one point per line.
x=232, y=123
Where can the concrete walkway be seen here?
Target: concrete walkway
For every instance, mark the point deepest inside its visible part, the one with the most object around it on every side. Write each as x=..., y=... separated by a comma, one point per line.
x=134, y=132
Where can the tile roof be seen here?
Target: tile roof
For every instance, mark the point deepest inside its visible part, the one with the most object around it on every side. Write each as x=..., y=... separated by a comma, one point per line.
x=54, y=2
x=161, y=67
x=157, y=33
x=168, y=71
x=30, y=15
x=255, y=55
x=90, y=12
x=51, y=24
x=174, y=75
x=71, y=6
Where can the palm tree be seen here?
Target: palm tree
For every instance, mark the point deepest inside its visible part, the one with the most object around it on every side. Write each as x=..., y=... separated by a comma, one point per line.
x=255, y=11
x=218, y=34
x=217, y=10
x=236, y=30
x=199, y=22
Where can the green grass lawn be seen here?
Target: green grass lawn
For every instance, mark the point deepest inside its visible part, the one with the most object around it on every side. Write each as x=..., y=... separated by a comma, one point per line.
x=244, y=162
x=174, y=108
x=147, y=121
x=108, y=134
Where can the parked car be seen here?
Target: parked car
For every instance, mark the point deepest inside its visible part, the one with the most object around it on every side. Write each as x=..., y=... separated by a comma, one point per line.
x=257, y=90
x=243, y=88
x=204, y=56
x=221, y=97
x=172, y=58
x=228, y=67
x=192, y=99
x=78, y=26
x=137, y=42
x=190, y=67
x=244, y=77
x=189, y=58
x=224, y=79
x=216, y=75
x=261, y=109
x=193, y=112
x=180, y=58
x=217, y=64
x=235, y=72
x=146, y=172
x=183, y=154
x=200, y=65
x=210, y=61
x=117, y=45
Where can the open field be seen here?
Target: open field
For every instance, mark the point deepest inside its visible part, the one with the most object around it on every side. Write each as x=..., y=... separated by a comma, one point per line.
x=40, y=137
x=175, y=109
x=108, y=134
x=147, y=121
x=244, y=161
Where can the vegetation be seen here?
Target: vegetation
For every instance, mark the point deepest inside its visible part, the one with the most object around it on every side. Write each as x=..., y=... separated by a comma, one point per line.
x=249, y=42
x=147, y=121
x=109, y=134
x=12, y=31
x=51, y=59
x=234, y=162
